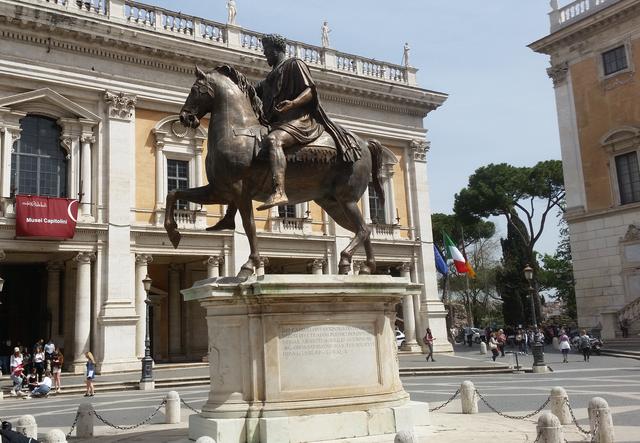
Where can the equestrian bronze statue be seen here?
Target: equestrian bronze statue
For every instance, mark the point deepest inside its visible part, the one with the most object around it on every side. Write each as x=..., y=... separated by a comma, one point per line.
x=275, y=144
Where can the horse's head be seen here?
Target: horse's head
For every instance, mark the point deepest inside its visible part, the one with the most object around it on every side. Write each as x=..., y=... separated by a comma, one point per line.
x=199, y=101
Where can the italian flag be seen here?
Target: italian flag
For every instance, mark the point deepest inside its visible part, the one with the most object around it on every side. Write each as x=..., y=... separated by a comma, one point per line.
x=454, y=255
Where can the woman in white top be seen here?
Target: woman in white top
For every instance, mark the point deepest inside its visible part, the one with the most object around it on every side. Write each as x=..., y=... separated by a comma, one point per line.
x=493, y=346
x=38, y=362
x=16, y=359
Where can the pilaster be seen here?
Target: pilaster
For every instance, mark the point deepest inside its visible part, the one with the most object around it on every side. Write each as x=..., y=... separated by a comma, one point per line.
x=433, y=313
x=118, y=317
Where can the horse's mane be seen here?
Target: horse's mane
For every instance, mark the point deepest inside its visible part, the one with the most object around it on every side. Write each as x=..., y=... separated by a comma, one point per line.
x=245, y=86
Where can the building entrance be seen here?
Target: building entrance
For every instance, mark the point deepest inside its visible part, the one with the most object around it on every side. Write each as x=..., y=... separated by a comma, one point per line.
x=24, y=318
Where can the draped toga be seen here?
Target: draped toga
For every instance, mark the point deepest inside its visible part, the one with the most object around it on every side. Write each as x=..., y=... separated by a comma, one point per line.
x=305, y=123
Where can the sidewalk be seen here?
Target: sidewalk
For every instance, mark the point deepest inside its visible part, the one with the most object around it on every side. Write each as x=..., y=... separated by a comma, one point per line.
x=464, y=358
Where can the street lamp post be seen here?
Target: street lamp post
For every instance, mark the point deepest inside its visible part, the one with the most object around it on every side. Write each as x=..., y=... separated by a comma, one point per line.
x=538, y=348
x=528, y=274
x=146, y=381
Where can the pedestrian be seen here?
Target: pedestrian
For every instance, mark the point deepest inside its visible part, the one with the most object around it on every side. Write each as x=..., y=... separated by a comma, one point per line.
x=624, y=327
x=56, y=366
x=32, y=379
x=16, y=359
x=585, y=345
x=565, y=346
x=43, y=387
x=493, y=346
x=468, y=333
x=91, y=373
x=17, y=377
x=38, y=362
x=502, y=341
x=428, y=340
x=49, y=349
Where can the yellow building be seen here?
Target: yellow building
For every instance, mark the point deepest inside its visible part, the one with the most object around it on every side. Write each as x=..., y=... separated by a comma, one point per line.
x=594, y=47
x=89, y=99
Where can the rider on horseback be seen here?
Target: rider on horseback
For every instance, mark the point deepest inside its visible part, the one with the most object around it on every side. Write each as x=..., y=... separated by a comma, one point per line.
x=295, y=116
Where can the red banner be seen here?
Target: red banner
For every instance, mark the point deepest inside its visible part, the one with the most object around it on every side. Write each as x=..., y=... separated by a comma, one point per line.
x=45, y=216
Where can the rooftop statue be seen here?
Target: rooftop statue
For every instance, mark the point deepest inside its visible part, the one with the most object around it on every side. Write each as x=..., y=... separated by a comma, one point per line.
x=231, y=12
x=256, y=133
x=325, y=34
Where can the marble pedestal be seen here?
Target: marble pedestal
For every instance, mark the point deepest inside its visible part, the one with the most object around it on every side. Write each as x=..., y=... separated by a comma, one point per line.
x=303, y=358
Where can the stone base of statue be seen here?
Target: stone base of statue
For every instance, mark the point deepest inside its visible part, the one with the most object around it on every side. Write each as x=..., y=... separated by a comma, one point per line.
x=303, y=358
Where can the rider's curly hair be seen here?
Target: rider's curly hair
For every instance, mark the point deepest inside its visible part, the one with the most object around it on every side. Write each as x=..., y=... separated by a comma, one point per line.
x=276, y=41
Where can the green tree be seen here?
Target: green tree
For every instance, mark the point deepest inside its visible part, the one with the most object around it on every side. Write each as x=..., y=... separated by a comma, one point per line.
x=512, y=192
x=557, y=272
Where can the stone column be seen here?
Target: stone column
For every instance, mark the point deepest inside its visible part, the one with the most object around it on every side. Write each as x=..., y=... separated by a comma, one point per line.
x=175, y=312
x=213, y=266
x=53, y=298
x=390, y=195
x=197, y=164
x=87, y=140
x=410, y=344
x=159, y=175
x=432, y=312
x=9, y=136
x=366, y=211
x=142, y=270
x=83, y=311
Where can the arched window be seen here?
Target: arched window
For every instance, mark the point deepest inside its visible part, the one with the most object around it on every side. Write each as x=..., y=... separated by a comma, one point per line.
x=38, y=162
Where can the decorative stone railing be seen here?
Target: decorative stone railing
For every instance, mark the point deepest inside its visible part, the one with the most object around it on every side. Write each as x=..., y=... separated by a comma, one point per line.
x=631, y=311
x=185, y=218
x=382, y=231
x=575, y=11
x=290, y=225
x=157, y=19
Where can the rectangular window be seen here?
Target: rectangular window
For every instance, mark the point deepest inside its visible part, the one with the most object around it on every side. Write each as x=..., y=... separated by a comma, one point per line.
x=178, y=178
x=376, y=208
x=614, y=60
x=628, y=177
x=287, y=211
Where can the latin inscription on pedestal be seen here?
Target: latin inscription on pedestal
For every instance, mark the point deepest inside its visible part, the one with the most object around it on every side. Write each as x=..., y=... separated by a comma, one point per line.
x=327, y=356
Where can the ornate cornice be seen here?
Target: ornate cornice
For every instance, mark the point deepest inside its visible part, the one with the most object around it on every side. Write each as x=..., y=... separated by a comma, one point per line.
x=121, y=105
x=558, y=73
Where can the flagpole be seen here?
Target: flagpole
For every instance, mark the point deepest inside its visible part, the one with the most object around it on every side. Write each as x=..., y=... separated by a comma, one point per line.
x=466, y=278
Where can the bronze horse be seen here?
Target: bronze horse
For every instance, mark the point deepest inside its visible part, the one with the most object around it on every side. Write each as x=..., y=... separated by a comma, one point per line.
x=237, y=175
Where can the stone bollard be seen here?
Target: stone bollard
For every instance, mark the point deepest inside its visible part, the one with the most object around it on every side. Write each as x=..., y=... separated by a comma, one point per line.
x=555, y=342
x=405, y=437
x=600, y=420
x=84, y=426
x=468, y=398
x=559, y=406
x=55, y=436
x=172, y=408
x=27, y=426
x=549, y=429
x=483, y=348
x=205, y=439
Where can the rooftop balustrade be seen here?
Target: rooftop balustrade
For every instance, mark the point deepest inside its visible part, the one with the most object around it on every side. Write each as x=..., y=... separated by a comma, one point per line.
x=155, y=19
x=575, y=11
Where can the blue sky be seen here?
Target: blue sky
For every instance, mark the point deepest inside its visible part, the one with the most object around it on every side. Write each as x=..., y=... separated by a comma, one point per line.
x=501, y=106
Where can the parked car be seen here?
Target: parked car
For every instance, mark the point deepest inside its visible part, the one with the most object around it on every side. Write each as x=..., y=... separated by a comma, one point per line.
x=399, y=337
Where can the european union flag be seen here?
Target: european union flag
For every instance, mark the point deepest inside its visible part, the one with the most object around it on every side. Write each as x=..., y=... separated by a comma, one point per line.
x=441, y=265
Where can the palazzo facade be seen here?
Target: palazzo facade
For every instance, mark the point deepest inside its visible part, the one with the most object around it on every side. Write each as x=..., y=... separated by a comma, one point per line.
x=90, y=93
x=594, y=48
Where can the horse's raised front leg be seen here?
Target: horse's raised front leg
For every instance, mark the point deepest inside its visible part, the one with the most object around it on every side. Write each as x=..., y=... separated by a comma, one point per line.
x=201, y=195
x=248, y=222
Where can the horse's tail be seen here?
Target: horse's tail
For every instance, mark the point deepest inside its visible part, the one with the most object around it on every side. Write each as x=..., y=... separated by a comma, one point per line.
x=375, y=148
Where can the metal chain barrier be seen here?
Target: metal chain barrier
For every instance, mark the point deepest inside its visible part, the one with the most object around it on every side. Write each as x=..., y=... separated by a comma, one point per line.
x=514, y=417
x=189, y=406
x=126, y=428
x=437, y=408
x=537, y=440
x=575, y=420
x=73, y=426
x=594, y=434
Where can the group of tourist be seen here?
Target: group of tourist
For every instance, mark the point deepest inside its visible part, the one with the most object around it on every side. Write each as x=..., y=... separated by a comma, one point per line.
x=36, y=372
x=39, y=373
